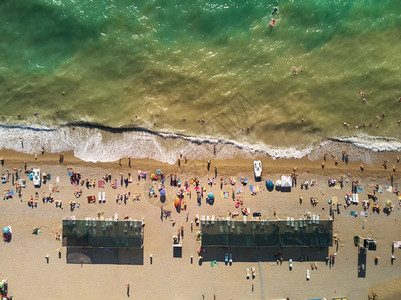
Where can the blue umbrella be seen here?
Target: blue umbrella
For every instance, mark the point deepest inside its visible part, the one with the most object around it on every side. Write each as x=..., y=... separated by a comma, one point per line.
x=269, y=183
x=158, y=172
x=6, y=230
x=162, y=192
x=210, y=196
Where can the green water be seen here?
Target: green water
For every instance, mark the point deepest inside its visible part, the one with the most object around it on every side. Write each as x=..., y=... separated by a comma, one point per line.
x=154, y=63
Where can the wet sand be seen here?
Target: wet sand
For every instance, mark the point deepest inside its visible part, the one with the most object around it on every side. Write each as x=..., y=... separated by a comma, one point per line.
x=168, y=277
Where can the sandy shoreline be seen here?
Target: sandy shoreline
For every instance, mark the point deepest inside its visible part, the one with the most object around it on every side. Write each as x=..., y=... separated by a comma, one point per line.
x=177, y=278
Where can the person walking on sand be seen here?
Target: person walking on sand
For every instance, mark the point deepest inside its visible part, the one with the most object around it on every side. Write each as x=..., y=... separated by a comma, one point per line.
x=208, y=165
x=127, y=286
x=215, y=172
x=2, y=160
x=129, y=162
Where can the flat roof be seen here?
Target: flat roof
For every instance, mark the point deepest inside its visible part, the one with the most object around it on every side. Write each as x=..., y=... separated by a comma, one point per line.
x=102, y=234
x=281, y=233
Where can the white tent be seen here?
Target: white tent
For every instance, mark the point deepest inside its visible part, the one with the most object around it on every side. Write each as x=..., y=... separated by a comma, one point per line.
x=286, y=181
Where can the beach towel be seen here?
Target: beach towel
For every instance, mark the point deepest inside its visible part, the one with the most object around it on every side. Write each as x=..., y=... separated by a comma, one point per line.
x=364, y=213
x=360, y=189
x=251, y=188
x=58, y=179
x=353, y=213
x=380, y=189
x=389, y=188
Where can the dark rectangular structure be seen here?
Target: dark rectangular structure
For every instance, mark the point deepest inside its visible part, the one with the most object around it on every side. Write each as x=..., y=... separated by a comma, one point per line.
x=282, y=233
x=102, y=234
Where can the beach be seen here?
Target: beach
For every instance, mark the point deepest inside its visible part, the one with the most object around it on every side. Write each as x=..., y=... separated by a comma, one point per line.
x=168, y=277
x=119, y=90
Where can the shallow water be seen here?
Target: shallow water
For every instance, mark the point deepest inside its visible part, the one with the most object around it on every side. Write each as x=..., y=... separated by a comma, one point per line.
x=153, y=64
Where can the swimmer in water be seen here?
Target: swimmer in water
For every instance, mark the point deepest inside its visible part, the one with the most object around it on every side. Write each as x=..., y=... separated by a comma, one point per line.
x=275, y=10
x=272, y=23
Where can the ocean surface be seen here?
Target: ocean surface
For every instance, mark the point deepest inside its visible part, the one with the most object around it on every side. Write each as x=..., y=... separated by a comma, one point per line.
x=111, y=79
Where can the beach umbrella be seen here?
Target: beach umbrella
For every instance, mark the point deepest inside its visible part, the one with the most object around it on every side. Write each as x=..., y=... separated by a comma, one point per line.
x=210, y=196
x=162, y=192
x=6, y=230
x=177, y=202
x=389, y=203
x=158, y=172
x=269, y=183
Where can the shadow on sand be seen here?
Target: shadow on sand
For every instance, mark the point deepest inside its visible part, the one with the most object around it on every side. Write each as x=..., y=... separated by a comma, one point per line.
x=266, y=254
x=120, y=256
x=362, y=262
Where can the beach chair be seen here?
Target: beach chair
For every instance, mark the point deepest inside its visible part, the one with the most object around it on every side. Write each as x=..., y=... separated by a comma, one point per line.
x=290, y=264
x=247, y=273
x=244, y=219
x=99, y=196
x=212, y=220
x=288, y=221
x=296, y=224
x=307, y=274
x=292, y=222
x=203, y=219
x=226, y=258
x=230, y=258
x=104, y=197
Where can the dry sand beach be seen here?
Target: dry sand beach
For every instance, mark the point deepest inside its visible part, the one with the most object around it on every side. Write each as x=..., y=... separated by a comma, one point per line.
x=29, y=275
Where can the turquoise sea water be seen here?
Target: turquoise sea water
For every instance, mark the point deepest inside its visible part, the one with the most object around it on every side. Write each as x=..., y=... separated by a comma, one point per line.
x=152, y=64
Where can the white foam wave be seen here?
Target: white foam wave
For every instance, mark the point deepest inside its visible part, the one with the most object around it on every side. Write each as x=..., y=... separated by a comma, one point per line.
x=373, y=143
x=94, y=144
